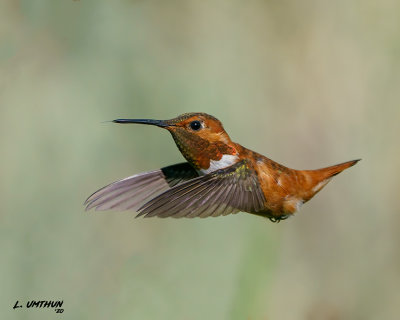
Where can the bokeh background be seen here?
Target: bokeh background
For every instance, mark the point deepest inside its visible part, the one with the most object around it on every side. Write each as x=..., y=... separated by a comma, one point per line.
x=307, y=83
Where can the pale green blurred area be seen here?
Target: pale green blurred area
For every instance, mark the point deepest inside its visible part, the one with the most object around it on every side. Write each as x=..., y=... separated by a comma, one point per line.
x=307, y=83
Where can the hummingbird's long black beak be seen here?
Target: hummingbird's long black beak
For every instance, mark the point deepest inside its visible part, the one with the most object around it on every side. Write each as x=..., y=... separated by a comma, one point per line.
x=158, y=123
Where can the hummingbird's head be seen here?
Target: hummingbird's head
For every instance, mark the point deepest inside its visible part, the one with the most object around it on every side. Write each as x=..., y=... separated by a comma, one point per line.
x=200, y=137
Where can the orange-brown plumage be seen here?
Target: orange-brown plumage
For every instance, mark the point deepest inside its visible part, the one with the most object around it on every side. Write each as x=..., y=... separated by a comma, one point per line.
x=220, y=177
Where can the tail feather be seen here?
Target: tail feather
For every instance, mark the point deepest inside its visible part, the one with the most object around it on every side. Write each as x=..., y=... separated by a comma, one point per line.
x=320, y=177
x=332, y=171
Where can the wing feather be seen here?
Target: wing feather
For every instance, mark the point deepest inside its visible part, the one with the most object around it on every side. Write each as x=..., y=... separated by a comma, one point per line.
x=132, y=192
x=225, y=191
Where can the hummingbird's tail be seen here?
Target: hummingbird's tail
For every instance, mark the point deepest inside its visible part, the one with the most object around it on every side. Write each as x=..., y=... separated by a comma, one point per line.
x=319, y=178
x=331, y=171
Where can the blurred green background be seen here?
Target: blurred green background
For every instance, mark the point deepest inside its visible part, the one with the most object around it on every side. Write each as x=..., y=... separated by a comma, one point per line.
x=307, y=83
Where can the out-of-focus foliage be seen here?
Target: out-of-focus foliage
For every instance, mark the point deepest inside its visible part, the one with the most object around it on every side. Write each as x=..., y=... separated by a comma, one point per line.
x=307, y=83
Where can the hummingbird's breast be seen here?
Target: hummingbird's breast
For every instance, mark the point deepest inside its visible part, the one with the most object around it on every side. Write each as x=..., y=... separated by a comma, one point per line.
x=226, y=160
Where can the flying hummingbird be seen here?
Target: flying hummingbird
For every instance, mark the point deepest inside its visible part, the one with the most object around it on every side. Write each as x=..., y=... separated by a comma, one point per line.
x=220, y=177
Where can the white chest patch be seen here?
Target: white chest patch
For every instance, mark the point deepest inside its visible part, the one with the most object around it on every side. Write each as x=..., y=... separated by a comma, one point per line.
x=226, y=161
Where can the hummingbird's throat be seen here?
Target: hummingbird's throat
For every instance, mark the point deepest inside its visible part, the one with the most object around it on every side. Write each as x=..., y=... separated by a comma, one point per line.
x=201, y=153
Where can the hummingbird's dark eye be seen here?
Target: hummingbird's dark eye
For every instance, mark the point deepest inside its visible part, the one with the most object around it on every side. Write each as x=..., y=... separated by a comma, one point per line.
x=195, y=125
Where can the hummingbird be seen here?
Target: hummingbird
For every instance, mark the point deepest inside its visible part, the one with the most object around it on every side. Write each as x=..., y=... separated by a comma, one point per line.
x=219, y=177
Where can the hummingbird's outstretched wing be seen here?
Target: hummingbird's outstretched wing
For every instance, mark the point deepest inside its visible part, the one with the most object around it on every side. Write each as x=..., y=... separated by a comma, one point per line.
x=132, y=192
x=221, y=192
